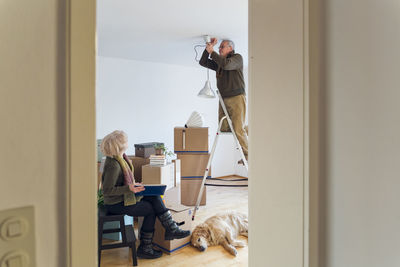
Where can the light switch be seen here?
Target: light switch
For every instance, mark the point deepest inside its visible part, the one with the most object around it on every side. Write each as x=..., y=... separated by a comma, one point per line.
x=17, y=258
x=15, y=261
x=14, y=229
x=17, y=237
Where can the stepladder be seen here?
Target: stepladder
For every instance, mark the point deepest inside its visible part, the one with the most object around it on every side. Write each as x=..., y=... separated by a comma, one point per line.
x=218, y=134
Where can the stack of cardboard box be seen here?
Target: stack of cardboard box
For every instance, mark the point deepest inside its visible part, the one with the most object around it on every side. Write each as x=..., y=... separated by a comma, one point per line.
x=168, y=174
x=191, y=147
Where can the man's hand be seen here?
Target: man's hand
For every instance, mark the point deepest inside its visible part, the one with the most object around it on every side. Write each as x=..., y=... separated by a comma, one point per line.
x=210, y=45
x=209, y=48
x=213, y=41
x=136, y=187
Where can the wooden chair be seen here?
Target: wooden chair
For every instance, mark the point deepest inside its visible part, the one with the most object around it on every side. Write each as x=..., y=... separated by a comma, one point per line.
x=127, y=233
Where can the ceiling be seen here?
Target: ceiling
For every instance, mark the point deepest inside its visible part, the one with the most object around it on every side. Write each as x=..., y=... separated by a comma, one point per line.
x=166, y=31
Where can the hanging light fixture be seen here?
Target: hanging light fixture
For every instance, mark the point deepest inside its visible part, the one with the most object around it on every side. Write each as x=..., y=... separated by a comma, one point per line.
x=207, y=92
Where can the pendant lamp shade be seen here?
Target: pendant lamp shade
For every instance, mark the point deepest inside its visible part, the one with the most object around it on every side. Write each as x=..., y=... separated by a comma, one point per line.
x=207, y=92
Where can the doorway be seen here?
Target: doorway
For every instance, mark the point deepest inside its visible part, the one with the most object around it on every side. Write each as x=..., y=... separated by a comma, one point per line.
x=277, y=101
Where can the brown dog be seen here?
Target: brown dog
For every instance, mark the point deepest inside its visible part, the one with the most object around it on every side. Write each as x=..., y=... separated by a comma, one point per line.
x=221, y=229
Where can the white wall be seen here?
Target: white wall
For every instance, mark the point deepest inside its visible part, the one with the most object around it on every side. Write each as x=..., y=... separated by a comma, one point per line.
x=32, y=88
x=360, y=183
x=147, y=100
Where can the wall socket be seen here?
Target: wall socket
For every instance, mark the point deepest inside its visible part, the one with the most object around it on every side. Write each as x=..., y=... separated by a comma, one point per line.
x=17, y=237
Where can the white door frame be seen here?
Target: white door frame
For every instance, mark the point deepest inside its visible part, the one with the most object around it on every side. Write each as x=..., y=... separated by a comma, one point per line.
x=81, y=135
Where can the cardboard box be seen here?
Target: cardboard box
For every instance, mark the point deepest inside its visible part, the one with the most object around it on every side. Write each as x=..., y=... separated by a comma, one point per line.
x=159, y=174
x=182, y=215
x=193, y=165
x=177, y=165
x=138, y=163
x=173, y=195
x=144, y=150
x=191, y=140
x=189, y=191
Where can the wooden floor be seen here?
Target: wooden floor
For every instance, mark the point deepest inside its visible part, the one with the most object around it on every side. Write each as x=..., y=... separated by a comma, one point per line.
x=218, y=199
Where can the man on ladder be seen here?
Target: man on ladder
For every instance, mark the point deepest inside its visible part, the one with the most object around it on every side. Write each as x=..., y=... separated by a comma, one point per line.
x=230, y=82
x=232, y=109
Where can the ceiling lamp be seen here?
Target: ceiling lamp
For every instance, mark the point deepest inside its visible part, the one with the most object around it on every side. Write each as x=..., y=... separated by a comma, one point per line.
x=207, y=92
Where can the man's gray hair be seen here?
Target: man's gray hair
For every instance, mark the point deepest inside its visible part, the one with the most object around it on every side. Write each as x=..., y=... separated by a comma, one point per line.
x=230, y=43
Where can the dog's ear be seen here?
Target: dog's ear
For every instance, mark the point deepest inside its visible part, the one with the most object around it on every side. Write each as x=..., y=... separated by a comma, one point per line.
x=209, y=232
x=203, y=230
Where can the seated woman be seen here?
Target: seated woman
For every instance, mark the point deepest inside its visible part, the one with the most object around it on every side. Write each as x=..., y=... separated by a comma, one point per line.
x=119, y=188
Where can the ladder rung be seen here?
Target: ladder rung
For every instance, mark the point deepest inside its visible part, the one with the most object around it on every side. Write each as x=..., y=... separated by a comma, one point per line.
x=225, y=133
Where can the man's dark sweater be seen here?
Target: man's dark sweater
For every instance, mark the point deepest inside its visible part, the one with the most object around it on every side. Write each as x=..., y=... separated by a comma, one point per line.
x=230, y=81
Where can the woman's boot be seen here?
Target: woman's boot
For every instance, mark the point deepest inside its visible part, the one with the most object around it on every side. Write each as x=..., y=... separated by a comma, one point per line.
x=172, y=231
x=145, y=249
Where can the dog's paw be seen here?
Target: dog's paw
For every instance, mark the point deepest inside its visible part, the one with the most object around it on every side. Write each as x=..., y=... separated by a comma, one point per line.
x=230, y=248
x=233, y=252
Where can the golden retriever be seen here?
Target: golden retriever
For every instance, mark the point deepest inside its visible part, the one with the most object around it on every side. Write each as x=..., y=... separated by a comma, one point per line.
x=221, y=229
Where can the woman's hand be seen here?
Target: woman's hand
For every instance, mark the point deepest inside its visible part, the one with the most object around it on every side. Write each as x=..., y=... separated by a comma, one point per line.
x=136, y=187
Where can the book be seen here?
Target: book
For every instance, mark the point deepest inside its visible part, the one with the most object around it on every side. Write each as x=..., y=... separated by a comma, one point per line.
x=158, y=160
x=152, y=190
x=157, y=156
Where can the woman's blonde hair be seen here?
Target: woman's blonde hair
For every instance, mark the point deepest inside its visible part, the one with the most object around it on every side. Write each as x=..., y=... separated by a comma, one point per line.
x=114, y=143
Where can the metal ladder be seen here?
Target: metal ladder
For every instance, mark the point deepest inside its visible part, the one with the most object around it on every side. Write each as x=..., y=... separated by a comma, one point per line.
x=238, y=146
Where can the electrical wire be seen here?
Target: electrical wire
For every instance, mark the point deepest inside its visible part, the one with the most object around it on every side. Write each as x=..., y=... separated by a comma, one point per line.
x=195, y=47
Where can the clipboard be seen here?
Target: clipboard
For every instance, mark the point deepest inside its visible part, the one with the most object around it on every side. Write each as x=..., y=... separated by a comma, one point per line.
x=152, y=190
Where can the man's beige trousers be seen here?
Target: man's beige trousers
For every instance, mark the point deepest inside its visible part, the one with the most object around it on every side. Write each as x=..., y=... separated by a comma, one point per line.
x=236, y=107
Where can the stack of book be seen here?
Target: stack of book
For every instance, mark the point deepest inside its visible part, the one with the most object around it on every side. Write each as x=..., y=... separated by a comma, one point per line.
x=158, y=160
x=142, y=158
